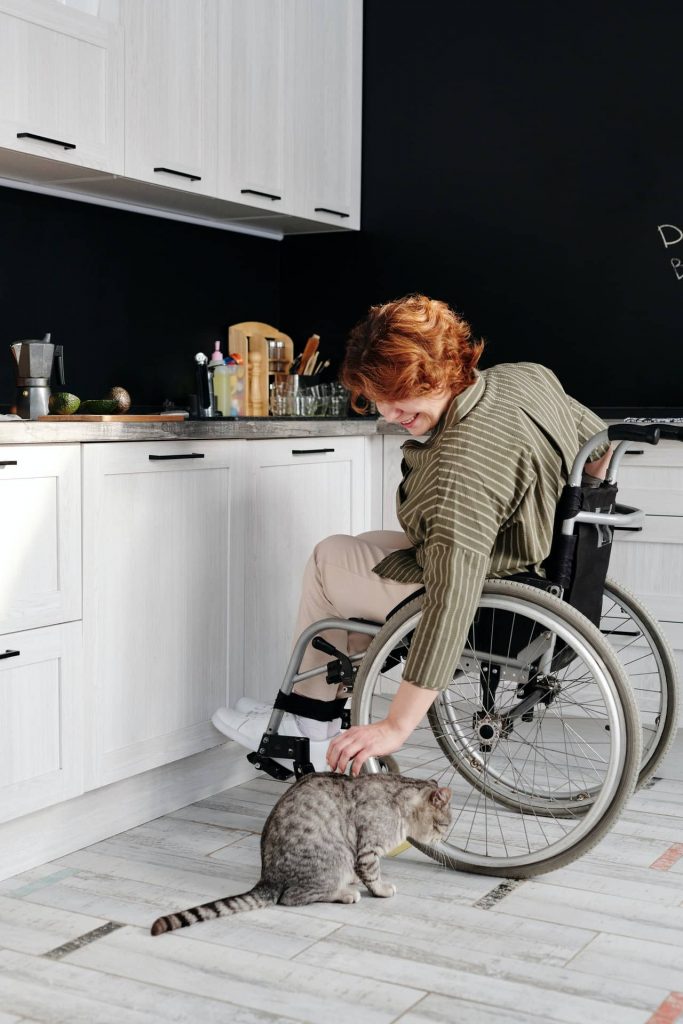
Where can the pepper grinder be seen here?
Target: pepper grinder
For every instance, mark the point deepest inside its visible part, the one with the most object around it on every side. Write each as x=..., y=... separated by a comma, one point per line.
x=255, y=399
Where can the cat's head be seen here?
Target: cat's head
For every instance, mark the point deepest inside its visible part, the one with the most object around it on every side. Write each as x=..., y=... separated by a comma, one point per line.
x=431, y=813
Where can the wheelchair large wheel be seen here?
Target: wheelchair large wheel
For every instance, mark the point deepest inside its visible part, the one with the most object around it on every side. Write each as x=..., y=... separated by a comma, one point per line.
x=533, y=789
x=648, y=661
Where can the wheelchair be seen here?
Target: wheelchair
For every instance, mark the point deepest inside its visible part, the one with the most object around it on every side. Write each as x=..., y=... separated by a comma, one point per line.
x=564, y=699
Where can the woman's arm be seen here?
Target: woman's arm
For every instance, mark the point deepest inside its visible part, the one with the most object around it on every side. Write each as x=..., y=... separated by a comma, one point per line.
x=357, y=744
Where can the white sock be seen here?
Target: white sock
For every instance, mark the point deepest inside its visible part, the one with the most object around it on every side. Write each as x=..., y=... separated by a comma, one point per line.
x=317, y=730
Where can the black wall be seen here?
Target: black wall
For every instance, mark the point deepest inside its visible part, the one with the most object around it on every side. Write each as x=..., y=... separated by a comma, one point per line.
x=131, y=297
x=518, y=159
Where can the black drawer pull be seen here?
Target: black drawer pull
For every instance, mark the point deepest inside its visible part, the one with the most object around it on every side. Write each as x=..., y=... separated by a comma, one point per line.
x=44, y=138
x=637, y=451
x=253, y=192
x=180, y=174
x=9, y=654
x=189, y=455
x=9, y=462
x=337, y=213
x=311, y=451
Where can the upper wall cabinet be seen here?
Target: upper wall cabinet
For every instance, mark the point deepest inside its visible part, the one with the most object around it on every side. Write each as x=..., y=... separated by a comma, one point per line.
x=253, y=102
x=325, y=40
x=60, y=84
x=170, y=122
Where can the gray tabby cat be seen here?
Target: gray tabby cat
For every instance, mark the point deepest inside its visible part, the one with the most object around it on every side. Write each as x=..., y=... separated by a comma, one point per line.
x=327, y=833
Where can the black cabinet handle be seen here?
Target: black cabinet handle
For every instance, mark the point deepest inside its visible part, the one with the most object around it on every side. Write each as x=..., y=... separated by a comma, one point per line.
x=311, y=451
x=637, y=451
x=253, y=192
x=44, y=138
x=9, y=462
x=180, y=174
x=9, y=654
x=189, y=455
x=337, y=213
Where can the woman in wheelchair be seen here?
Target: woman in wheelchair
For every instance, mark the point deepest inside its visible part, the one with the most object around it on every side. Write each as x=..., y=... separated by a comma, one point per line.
x=477, y=499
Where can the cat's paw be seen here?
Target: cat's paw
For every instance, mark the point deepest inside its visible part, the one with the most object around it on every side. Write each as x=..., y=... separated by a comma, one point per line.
x=348, y=895
x=384, y=889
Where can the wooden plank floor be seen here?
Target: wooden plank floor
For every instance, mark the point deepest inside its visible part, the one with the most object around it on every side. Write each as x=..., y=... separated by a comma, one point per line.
x=600, y=940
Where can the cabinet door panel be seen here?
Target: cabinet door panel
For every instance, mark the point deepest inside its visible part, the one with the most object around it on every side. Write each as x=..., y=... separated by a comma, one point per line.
x=40, y=715
x=157, y=540
x=325, y=46
x=251, y=102
x=60, y=77
x=171, y=92
x=40, y=535
x=294, y=502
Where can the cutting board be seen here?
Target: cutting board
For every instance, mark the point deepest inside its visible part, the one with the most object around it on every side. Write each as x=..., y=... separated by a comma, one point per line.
x=117, y=418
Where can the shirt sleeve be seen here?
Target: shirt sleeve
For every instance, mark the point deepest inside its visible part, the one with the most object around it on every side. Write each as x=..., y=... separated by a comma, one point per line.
x=587, y=424
x=454, y=578
x=455, y=557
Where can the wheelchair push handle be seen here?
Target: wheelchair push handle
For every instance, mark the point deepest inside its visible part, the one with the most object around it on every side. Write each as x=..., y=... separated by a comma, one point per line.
x=671, y=431
x=647, y=433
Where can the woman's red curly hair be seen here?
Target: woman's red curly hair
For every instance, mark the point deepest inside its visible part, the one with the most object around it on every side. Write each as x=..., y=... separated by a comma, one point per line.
x=408, y=348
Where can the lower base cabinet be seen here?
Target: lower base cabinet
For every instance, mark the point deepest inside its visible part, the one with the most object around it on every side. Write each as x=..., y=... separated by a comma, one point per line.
x=40, y=718
x=162, y=633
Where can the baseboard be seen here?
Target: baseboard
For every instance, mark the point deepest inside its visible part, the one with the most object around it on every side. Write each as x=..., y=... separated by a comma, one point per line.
x=55, y=831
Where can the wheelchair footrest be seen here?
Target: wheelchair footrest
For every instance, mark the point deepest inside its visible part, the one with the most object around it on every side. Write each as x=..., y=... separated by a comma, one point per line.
x=270, y=767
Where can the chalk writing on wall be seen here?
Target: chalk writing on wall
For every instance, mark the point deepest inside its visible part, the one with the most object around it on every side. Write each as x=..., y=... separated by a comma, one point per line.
x=672, y=235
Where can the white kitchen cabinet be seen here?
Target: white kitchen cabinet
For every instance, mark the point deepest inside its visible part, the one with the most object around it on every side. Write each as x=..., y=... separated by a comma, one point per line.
x=253, y=114
x=170, y=92
x=40, y=718
x=61, y=78
x=40, y=535
x=325, y=39
x=162, y=550
x=299, y=491
x=650, y=563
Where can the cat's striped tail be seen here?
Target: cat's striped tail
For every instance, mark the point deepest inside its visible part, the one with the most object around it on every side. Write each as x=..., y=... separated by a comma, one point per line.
x=261, y=895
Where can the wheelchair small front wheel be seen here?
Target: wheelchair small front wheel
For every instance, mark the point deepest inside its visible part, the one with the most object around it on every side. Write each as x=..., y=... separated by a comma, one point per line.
x=538, y=734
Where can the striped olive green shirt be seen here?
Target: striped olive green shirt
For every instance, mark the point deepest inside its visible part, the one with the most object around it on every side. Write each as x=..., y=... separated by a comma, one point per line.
x=478, y=499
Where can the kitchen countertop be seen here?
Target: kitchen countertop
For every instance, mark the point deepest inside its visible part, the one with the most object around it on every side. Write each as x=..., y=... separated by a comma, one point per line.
x=61, y=432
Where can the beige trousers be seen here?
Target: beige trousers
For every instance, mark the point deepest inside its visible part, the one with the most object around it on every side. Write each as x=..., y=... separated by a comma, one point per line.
x=339, y=583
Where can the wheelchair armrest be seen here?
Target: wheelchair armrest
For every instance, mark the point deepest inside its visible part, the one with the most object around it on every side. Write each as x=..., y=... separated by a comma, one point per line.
x=671, y=431
x=649, y=433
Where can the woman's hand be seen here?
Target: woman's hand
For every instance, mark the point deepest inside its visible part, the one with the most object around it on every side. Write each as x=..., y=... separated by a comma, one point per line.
x=360, y=742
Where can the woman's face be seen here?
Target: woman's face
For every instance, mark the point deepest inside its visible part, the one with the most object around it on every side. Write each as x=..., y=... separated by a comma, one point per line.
x=417, y=415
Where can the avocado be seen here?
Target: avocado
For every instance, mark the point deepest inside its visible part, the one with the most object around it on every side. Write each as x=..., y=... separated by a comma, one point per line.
x=121, y=397
x=62, y=403
x=99, y=407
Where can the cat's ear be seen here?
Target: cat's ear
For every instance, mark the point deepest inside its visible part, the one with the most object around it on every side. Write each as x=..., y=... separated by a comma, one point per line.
x=440, y=797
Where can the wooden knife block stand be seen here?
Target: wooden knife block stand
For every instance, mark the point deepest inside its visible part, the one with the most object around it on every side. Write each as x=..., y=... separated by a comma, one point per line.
x=248, y=340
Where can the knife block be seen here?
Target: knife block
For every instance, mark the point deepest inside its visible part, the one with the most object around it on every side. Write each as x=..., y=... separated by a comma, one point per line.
x=248, y=340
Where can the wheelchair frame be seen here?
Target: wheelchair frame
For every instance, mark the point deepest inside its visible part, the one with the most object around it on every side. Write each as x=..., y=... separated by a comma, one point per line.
x=343, y=668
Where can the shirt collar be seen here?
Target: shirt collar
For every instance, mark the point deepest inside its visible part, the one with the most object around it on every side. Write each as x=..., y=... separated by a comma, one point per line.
x=465, y=402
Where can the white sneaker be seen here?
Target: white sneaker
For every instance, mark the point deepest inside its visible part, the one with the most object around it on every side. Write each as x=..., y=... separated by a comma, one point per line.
x=307, y=726
x=247, y=728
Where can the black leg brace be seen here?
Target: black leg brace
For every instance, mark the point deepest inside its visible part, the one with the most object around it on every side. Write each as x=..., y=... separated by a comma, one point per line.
x=307, y=707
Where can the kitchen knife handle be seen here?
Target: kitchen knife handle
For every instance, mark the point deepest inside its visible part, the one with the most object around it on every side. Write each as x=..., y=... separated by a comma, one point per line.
x=311, y=451
x=9, y=462
x=59, y=357
x=9, y=654
x=180, y=174
x=336, y=213
x=44, y=138
x=253, y=192
x=188, y=455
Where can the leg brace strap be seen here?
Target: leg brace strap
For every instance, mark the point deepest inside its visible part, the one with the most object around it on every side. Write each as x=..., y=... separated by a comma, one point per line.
x=307, y=707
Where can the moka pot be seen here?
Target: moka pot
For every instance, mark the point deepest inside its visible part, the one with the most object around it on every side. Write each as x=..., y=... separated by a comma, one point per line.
x=33, y=367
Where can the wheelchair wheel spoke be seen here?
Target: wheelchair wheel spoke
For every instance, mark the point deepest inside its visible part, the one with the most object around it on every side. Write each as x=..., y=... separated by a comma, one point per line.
x=530, y=734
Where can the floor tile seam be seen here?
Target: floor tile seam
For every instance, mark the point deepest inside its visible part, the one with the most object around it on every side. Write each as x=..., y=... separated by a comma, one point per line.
x=409, y=1009
x=315, y=942
x=198, y=897
x=151, y=985
x=554, y=887
x=178, y=936
x=604, y=931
